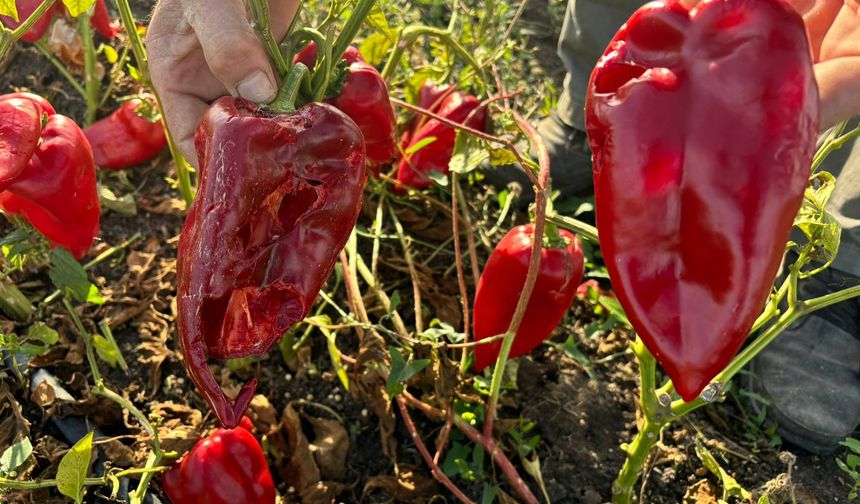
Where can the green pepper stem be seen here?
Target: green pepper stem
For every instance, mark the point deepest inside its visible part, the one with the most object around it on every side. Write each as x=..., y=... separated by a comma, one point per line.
x=581, y=229
x=183, y=169
x=350, y=29
x=263, y=25
x=285, y=102
x=9, y=37
x=13, y=302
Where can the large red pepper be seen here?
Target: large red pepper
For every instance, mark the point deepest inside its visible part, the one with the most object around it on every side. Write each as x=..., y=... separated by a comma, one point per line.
x=226, y=467
x=124, y=138
x=703, y=124
x=415, y=168
x=502, y=281
x=100, y=19
x=364, y=98
x=47, y=174
x=279, y=195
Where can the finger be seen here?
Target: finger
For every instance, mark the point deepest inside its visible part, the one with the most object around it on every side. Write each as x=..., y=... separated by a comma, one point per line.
x=233, y=51
x=282, y=13
x=838, y=89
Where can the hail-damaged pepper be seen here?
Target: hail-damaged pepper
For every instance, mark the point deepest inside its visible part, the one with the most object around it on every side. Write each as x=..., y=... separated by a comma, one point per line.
x=47, y=174
x=126, y=138
x=226, y=467
x=437, y=140
x=703, y=124
x=503, y=278
x=279, y=195
x=364, y=98
x=100, y=19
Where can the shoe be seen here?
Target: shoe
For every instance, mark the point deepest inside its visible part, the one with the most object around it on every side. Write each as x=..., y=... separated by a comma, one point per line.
x=570, y=163
x=810, y=374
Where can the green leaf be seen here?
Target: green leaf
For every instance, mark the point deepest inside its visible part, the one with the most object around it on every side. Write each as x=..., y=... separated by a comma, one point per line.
x=502, y=157
x=852, y=444
x=375, y=47
x=8, y=9
x=438, y=178
x=106, y=350
x=731, y=488
x=134, y=73
x=124, y=205
x=78, y=7
x=15, y=456
x=110, y=53
x=74, y=468
x=469, y=153
x=401, y=371
x=68, y=275
x=816, y=222
x=376, y=19
x=417, y=146
x=489, y=495
x=334, y=354
x=615, y=309
x=41, y=332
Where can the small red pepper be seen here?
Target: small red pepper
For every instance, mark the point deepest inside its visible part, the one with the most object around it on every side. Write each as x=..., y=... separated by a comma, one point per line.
x=100, y=19
x=703, y=125
x=124, y=138
x=279, y=195
x=226, y=467
x=502, y=281
x=415, y=167
x=364, y=98
x=50, y=178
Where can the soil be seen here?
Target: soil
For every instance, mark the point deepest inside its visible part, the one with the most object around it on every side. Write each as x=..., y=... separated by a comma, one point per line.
x=583, y=412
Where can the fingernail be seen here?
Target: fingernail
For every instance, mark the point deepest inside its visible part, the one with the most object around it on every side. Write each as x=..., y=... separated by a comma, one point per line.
x=257, y=87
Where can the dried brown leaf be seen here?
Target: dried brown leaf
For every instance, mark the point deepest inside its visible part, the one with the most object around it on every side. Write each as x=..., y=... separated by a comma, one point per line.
x=302, y=470
x=329, y=447
x=410, y=487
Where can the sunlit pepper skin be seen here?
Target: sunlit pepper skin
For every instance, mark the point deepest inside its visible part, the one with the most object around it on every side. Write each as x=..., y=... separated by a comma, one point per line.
x=364, y=98
x=124, y=138
x=502, y=281
x=702, y=125
x=226, y=467
x=415, y=168
x=48, y=176
x=278, y=197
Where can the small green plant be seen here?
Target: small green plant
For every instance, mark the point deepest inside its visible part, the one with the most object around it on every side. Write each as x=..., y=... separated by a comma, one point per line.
x=850, y=465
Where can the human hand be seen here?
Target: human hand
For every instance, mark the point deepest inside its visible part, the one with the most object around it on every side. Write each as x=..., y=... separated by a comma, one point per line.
x=200, y=50
x=833, y=27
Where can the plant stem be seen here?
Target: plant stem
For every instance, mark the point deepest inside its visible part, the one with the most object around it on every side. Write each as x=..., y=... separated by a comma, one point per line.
x=285, y=102
x=581, y=229
x=91, y=78
x=263, y=25
x=60, y=68
x=8, y=38
x=408, y=35
x=12, y=484
x=637, y=455
x=13, y=302
x=350, y=29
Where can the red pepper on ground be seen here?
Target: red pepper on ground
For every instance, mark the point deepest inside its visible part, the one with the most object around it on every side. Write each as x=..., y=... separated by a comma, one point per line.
x=703, y=125
x=124, y=138
x=364, y=98
x=48, y=175
x=100, y=19
x=226, y=467
x=415, y=168
x=279, y=195
x=502, y=281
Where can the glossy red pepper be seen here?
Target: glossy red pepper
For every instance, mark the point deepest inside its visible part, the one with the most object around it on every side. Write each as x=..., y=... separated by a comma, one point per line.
x=415, y=168
x=48, y=175
x=100, y=19
x=124, y=138
x=703, y=124
x=364, y=98
x=502, y=281
x=226, y=467
x=278, y=197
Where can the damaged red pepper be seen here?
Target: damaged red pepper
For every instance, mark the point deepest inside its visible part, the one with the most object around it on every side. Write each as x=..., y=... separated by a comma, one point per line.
x=703, y=125
x=364, y=98
x=100, y=19
x=47, y=174
x=125, y=138
x=415, y=167
x=226, y=467
x=279, y=195
x=502, y=281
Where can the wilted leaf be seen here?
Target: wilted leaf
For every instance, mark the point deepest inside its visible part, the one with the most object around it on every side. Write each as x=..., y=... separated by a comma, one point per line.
x=302, y=470
x=469, y=152
x=329, y=447
x=15, y=456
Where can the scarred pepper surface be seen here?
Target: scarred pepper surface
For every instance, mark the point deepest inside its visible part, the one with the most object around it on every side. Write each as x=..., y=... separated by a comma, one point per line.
x=279, y=195
x=124, y=138
x=415, y=168
x=703, y=124
x=100, y=19
x=502, y=281
x=47, y=174
x=226, y=467
x=364, y=98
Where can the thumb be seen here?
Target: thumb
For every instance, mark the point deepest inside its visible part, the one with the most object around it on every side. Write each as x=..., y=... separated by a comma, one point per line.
x=233, y=52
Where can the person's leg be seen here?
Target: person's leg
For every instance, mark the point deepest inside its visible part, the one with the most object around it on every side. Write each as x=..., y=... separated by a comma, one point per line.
x=811, y=373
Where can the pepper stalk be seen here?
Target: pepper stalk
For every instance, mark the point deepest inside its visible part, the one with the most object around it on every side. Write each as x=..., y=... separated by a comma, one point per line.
x=8, y=37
